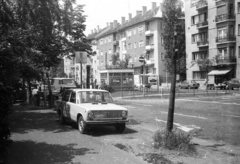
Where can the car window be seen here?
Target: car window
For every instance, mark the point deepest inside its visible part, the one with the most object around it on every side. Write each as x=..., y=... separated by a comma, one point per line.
x=66, y=95
x=94, y=97
x=73, y=97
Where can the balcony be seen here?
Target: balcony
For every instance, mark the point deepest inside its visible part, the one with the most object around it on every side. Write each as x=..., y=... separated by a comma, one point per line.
x=225, y=39
x=221, y=2
x=124, y=52
x=224, y=18
x=148, y=33
x=202, y=25
x=124, y=39
x=149, y=47
x=201, y=5
x=203, y=43
x=225, y=61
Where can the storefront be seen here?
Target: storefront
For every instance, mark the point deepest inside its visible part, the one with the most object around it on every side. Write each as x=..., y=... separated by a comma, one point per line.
x=119, y=79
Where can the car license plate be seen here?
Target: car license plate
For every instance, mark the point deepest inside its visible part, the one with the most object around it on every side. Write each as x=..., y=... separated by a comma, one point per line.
x=99, y=115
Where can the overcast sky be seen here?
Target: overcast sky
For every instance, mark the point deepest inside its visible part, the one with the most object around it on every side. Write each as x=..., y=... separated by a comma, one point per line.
x=99, y=12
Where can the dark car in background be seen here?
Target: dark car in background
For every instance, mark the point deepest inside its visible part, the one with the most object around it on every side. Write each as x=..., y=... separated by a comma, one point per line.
x=233, y=83
x=189, y=84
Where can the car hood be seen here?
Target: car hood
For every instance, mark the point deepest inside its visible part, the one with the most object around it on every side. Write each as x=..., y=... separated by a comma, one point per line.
x=100, y=106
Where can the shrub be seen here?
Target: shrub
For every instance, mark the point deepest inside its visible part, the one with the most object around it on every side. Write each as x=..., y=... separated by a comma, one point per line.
x=171, y=140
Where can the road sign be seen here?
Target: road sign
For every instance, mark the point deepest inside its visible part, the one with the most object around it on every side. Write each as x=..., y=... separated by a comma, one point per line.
x=141, y=59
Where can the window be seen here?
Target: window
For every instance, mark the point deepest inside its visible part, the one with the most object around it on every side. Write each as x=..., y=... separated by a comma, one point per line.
x=140, y=44
x=238, y=7
x=239, y=52
x=200, y=37
x=129, y=46
x=199, y=55
x=199, y=75
x=110, y=51
x=162, y=40
x=140, y=29
x=129, y=32
x=110, y=62
x=101, y=53
x=134, y=31
x=239, y=29
x=109, y=39
x=199, y=18
x=66, y=96
x=135, y=45
x=222, y=53
x=194, y=38
x=162, y=57
x=101, y=42
x=124, y=46
x=73, y=97
x=222, y=33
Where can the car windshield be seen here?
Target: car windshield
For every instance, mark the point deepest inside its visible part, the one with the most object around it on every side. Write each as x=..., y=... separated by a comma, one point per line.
x=94, y=97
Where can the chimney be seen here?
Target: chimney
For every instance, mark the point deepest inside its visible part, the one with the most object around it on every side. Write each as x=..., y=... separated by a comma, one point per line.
x=111, y=24
x=115, y=23
x=98, y=28
x=154, y=5
x=123, y=20
x=95, y=30
x=107, y=24
x=138, y=12
x=129, y=16
x=92, y=31
x=144, y=10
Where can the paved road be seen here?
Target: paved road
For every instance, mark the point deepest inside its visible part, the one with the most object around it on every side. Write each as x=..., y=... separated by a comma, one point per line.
x=215, y=118
x=40, y=139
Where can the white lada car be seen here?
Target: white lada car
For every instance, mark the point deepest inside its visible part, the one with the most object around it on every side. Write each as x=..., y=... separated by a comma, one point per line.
x=90, y=107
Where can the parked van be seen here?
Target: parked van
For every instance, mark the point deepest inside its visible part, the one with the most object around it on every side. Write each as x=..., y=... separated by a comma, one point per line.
x=62, y=83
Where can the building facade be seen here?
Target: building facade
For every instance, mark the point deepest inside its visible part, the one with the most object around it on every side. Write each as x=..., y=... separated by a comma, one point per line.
x=139, y=36
x=212, y=29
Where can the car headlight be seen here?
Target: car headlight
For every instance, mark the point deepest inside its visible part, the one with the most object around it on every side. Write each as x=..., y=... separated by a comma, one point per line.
x=124, y=114
x=90, y=115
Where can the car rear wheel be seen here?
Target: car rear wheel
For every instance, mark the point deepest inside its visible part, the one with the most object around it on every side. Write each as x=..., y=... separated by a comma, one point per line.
x=62, y=119
x=120, y=128
x=81, y=125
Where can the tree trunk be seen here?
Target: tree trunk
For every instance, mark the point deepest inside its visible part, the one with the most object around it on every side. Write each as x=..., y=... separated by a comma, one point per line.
x=172, y=96
x=29, y=96
x=50, y=99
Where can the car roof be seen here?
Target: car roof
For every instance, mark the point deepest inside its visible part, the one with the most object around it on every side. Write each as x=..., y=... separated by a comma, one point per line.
x=85, y=89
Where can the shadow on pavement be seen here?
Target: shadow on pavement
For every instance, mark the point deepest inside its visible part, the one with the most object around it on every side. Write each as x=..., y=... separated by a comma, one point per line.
x=27, y=152
x=23, y=120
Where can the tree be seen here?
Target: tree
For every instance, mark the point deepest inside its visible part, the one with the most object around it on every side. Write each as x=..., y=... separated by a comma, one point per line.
x=172, y=12
x=204, y=64
x=115, y=58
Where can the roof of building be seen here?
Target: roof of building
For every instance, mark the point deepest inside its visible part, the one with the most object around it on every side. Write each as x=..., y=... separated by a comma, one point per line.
x=150, y=14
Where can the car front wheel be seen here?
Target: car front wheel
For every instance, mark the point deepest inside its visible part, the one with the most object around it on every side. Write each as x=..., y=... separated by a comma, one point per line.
x=81, y=125
x=120, y=128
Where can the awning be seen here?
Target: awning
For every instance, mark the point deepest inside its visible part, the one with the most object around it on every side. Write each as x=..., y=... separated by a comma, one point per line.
x=218, y=72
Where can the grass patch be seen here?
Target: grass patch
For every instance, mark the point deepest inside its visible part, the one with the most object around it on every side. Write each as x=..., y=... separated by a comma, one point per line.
x=176, y=139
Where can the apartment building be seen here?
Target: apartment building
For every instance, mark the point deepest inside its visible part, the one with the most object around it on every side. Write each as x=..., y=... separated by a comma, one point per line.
x=212, y=36
x=138, y=36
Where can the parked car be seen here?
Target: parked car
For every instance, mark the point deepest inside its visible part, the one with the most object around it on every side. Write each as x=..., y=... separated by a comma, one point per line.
x=222, y=85
x=189, y=84
x=91, y=107
x=233, y=83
